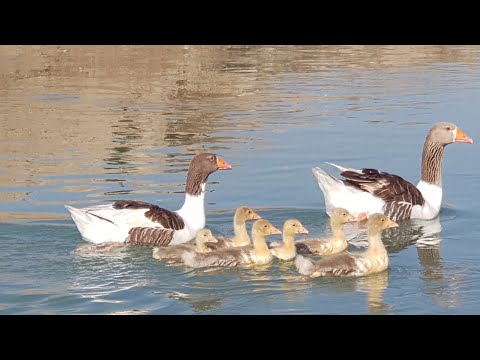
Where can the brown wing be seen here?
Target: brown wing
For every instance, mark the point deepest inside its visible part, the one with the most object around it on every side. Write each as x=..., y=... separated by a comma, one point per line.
x=398, y=194
x=335, y=265
x=222, y=243
x=168, y=219
x=172, y=251
x=149, y=236
x=222, y=258
x=310, y=246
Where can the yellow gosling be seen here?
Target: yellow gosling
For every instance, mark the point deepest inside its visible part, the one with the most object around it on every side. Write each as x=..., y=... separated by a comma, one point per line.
x=373, y=260
x=287, y=250
x=328, y=245
x=258, y=254
x=240, y=233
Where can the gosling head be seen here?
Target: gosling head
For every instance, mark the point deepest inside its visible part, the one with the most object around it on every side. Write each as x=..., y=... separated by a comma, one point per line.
x=293, y=227
x=265, y=227
x=205, y=236
x=379, y=222
x=342, y=216
x=245, y=213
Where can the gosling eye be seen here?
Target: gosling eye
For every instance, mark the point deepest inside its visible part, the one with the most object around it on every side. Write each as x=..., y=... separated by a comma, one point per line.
x=344, y=214
x=249, y=211
x=383, y=219
x=294, y=224
x=211, y=158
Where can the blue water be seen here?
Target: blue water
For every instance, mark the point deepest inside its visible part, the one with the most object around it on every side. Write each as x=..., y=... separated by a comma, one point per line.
x=88, y=125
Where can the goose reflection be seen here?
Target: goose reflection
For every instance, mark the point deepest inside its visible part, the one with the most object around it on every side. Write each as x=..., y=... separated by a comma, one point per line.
x=442, y=282
x=414, y=231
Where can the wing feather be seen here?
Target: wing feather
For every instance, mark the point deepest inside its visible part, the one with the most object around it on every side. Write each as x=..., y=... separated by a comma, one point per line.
x=398, y=194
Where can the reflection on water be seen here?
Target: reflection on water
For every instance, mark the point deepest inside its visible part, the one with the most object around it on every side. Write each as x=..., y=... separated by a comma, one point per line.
x=443, y=283
x=374, y=285
x=423, y=233
x=83, y=125
x=108, y=113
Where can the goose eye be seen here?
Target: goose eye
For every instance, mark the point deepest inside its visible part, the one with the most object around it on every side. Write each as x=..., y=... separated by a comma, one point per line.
x=210, y=158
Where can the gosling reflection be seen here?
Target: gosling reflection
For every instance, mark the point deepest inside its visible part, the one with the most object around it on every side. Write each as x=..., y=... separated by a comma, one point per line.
x=374, y=285
x=198, y=303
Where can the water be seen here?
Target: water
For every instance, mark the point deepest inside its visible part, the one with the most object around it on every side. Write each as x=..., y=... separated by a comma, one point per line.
x=83, y=125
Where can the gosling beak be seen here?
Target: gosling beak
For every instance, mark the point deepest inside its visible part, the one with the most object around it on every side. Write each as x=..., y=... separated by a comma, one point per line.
x=255, y=216
x=462, y=137
x=223, y=165
x=351, y=218
x=302, y=230
x=391, y=224
x=212, y=239
x=362, y=217
x=275, y=231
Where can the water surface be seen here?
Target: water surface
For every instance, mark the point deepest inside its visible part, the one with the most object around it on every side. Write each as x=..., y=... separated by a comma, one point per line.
x=83, y=125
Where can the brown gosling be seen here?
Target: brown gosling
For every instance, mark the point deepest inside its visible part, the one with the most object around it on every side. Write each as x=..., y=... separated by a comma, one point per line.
x=373, y=260
x=204, y=237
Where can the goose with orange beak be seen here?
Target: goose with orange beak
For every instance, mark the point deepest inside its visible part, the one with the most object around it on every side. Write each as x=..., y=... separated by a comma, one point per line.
x=367, y=191
x=140, y=223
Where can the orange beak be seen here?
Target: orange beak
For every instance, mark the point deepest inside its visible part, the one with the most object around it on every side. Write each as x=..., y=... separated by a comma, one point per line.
x=462, y=137
x=391, y=224
x=255, y=216
x=275, y=231
x=303, y=230
x=212, y=239
x=223, y=165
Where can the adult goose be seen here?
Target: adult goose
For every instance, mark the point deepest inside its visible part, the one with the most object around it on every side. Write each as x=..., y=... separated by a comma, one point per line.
x=373, y=260
x=367, y=191
x=141, y=223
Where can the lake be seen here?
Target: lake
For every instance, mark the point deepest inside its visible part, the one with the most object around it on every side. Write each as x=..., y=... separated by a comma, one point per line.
x=85, y=125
